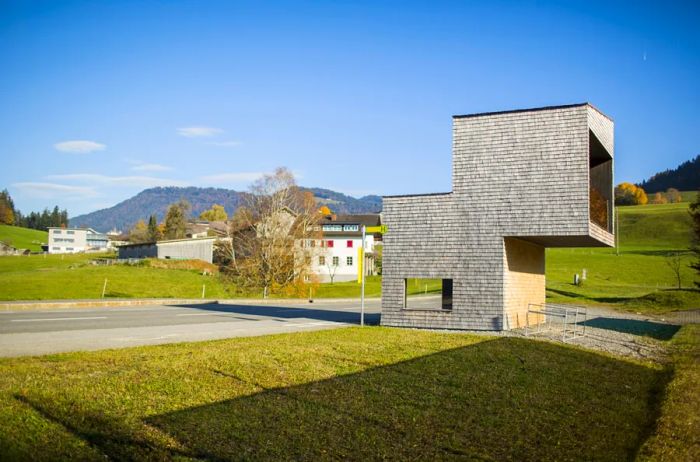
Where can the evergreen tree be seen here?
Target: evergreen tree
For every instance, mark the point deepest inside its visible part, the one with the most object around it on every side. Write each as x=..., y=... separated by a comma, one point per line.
x=153, y=231
x=176, y=220
x=55, y=218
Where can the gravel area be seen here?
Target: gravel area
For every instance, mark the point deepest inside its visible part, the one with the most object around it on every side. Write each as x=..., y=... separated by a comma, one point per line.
x=627, y=334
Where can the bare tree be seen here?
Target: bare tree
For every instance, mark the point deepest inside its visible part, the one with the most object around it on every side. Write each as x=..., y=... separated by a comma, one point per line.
x=274, y=235
x=332, y=268
x=675, y=262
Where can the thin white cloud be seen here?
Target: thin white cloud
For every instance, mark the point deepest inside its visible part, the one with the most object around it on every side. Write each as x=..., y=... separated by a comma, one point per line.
x=225, y=144
x=79, y=146
x=198, y=132
x=232, y=178
x=99, y=179
x=151, y=168
x=51, y=190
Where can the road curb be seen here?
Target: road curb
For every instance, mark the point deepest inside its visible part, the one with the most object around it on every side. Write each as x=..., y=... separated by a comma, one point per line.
x=102, y=303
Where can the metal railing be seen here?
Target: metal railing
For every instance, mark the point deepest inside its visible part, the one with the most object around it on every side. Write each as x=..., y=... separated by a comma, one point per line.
x=571, y=320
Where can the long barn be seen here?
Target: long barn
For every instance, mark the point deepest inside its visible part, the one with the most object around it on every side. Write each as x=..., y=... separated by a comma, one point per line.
x=176, y=249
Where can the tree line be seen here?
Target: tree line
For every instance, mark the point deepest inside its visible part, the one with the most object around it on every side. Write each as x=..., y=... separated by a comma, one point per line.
x=174, y=226
x=10, y=215
x=631, y=194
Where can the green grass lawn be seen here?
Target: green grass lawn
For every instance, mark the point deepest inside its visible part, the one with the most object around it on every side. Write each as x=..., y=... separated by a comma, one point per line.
x=345, y=394
x=39, y=277
x=638, y=278
x=23, y=238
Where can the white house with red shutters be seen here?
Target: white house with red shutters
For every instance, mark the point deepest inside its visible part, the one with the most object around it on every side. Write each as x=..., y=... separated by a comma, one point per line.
x=339, y=252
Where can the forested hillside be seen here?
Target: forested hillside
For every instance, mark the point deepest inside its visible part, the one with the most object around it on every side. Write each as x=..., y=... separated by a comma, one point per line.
x=685, y=177
x=156, y=201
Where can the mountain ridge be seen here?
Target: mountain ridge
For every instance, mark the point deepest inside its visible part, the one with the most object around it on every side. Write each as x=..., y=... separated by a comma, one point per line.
x=123, y=215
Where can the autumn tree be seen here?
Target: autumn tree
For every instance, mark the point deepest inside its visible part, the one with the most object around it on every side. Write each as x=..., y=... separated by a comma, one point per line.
x=139, y=233
x=673, y=196
x=176, y=220
x=215, y=213
x=325, y=210
x=629, y=194
x=274, y=235
x=7, y=209
x=658, y=198
x=154, y=233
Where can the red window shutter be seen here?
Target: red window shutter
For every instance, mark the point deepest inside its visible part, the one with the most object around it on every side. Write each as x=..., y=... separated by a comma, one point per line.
x=330, y=243
x=349, y=244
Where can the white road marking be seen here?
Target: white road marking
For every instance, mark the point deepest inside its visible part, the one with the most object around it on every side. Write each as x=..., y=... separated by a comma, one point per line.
x=195, y=314
x=58, y=319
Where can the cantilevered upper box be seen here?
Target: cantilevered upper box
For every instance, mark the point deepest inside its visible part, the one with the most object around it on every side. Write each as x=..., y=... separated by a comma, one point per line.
x=522, y=181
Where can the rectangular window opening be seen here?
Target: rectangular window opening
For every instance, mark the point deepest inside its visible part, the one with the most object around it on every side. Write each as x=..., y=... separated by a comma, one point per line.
x=428, y=294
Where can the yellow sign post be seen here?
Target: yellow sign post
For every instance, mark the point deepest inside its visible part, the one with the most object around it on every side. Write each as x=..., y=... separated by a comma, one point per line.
x=376, y=229
x=361, y=264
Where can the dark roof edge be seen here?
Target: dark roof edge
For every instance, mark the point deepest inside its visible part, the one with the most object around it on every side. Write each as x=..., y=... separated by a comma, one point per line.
x=534, y=109
x=417, y=195
x=600, y=112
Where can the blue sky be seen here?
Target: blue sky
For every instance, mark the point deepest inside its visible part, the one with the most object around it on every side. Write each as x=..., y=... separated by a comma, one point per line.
x=99, y=100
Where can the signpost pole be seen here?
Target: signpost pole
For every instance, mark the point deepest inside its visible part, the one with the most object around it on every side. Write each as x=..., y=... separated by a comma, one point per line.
x=362, y=292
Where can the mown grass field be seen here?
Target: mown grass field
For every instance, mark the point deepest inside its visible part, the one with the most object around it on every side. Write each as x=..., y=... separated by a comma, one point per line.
x=53, y=277
x=635, y=278
x=350, y=394
x=23, y=238
x=638, y=276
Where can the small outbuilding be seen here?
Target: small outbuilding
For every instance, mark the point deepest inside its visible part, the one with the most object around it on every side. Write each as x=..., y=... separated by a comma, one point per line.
x=176, y=249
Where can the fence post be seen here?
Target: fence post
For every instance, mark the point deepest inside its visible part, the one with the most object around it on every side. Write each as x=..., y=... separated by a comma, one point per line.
x=104, y=288
x=204, y=286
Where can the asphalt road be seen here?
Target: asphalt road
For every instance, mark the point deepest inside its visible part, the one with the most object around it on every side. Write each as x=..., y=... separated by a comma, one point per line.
x=39, y=332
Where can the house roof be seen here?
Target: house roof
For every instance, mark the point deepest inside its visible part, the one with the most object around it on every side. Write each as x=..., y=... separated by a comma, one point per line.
x=170, y=241
x=362, y=220
x=74, y=229
x=369, y=219
x=534, y=109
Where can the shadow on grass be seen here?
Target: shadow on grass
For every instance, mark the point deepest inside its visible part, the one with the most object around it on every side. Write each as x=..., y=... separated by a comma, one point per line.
x=504, y=399
x=659, y=331
x=656, y=253
x=285, y=313
x=109, y=436
x=611, y=300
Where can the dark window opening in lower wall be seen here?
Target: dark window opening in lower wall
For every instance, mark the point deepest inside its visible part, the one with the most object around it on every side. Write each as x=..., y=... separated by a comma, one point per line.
x=427, y=294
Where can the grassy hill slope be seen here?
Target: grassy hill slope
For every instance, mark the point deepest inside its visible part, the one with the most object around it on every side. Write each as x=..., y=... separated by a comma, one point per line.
x=23, y=238
x=639, y=277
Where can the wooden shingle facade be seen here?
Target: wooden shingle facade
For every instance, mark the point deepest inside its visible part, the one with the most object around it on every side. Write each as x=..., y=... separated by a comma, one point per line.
x=522, y=181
